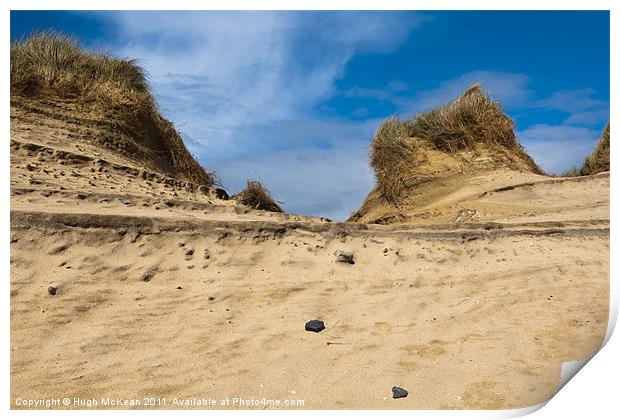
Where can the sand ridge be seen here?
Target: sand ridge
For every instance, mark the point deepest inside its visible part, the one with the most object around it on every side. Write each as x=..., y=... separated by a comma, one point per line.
x=163, y=290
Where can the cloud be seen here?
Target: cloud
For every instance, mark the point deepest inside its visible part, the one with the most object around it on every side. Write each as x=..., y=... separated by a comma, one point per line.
x=243, y=88
x=558, y=147
x=325, y=174
x=309, y=180
x=581, y=104
x=216, y=71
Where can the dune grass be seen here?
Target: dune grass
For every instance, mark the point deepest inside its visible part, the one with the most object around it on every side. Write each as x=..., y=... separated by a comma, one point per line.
x=257, y=197
x=569, y=173
x=472, y=121
x=392, y=154
x=53, y=65
x=598, y=160
x=53, y=62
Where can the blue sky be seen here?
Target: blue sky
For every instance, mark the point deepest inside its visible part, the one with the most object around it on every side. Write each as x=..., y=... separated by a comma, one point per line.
x=292, y=98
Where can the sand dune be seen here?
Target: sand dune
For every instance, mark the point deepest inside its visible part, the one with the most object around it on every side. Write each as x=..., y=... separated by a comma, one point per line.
x=131, y=282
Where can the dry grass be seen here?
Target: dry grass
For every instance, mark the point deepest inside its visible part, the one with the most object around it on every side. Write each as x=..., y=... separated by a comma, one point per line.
x=598, y=160
x=52, y=65
x=257, y=197
x=392, y=155
x=572, y=172
x=471, y=122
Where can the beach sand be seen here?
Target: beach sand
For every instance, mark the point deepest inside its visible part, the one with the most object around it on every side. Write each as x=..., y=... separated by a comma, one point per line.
x=129, y=284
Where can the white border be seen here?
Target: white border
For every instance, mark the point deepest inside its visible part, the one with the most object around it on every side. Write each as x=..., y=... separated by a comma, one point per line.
x=593, y=393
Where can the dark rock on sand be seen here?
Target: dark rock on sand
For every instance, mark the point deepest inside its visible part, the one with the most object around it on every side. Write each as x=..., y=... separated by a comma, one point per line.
x=52, y=290
x=344, y=257
x=221, y=194
x=398, y=392
x=315, y=326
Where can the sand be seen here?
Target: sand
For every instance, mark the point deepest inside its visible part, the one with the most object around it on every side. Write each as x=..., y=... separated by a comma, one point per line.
x=159, y=291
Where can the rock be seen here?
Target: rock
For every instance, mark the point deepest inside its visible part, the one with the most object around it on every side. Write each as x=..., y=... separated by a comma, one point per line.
x=315, y=326
x=344, y=257
x=398, y=392
x=221, y=194
x=52, y=290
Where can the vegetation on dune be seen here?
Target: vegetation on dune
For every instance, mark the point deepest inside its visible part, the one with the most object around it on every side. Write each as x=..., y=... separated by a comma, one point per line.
x=50, y=61
x=595, y=162
x=598, y=160
x=257, y=197
x=392, y=155
x=471, y=122
x=572, y=172
x=53, y=65
x=471, y=119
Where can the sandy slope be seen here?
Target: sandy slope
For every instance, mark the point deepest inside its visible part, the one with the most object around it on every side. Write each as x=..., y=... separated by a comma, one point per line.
x=164, y=291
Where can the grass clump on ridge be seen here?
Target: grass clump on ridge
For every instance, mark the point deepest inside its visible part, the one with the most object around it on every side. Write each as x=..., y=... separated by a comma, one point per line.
x=53, y=65
x=257, y=197
x=473, y=121
x=392, y=154
x=598, y=160
x=50, y=61
x=569, y=173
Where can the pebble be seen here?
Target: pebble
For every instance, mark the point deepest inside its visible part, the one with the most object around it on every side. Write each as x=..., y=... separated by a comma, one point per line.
x=398, y=392
x=344, y=257
x=315, y=325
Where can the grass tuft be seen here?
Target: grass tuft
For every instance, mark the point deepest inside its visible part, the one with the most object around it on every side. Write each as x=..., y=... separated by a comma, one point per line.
x=257, y=197
x=598, y=160
x=570, y=173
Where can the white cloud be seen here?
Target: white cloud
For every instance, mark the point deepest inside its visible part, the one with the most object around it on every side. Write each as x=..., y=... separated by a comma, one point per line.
x=580, y=104
x=216, y=71
x=243, y=88
x=325, y=174
x=323, y=182
x=560, y=147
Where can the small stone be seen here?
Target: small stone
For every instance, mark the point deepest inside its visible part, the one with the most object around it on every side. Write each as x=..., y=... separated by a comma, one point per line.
x=344, y=257
x=315, y=326
x=398, y=392
x=179, y=287
x=52, y=290
x=221, y=194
